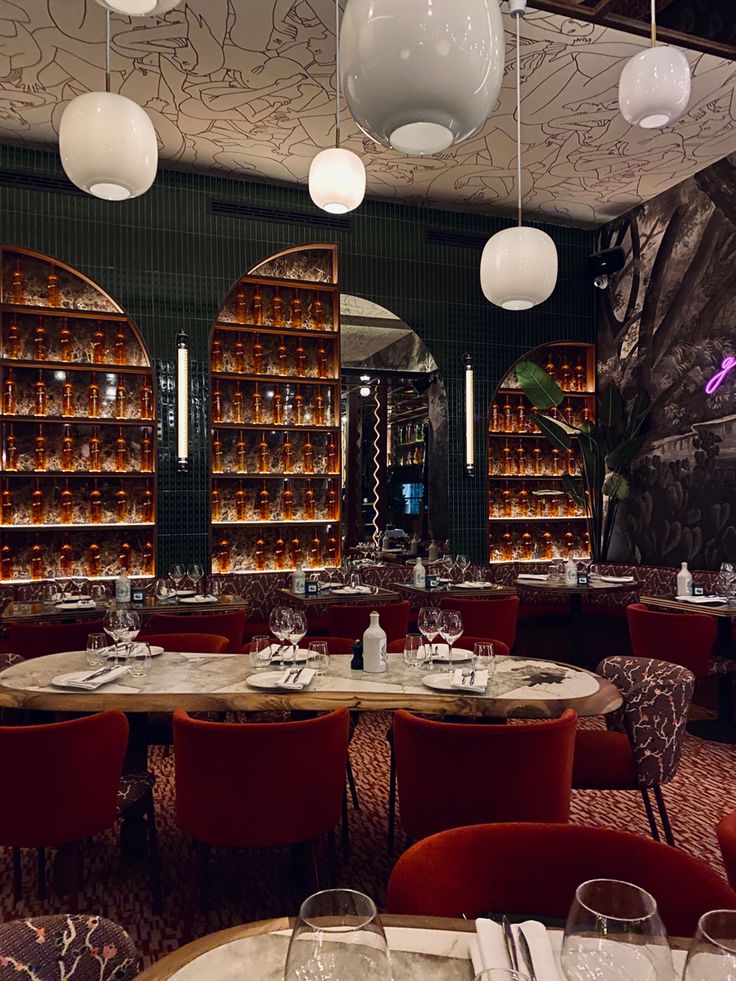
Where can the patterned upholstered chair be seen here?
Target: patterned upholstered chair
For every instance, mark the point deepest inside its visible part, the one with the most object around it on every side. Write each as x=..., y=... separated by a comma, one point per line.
x=77, y=948
x=642, y=748
x=7, y=659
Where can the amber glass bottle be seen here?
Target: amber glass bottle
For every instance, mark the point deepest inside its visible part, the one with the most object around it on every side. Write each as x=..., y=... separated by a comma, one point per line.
x=93, y=398
x=322, y=363
x=298, y=407
x=315, y=552
x=579, y=375
x=37, y=508
x=256, y=307
x=308, y=456
x=526, y=550
x=239, y=355
x=17, y=286
x=217, y=458
x=125, y=558
x=256, y=406
x=11, y=450
x=36, y=562
x=263, y=454
x=68, y=402
x=297, y=313
x=147, y=556
x=146, y=452
x=237, y=405
x=10, y=401
x=146, y=400
x=53, y=294
x=216, y=355
x=216, y=504
x=279, y=553
x=277, y=407
x=121, y=400
x=13, y=339
x=331, y=456
x=332, y=551
x=7, y=566
x=296, y=553
x=257, y=355
x=41, y=341
x=507, y=504
x=287, y=503
x=241, y=454
x=121, y=452
x=147, y=505
x=537, y=461
x=332, y=504
x=66, y=505
x=320, y=416
x=121, y=503
x=260, y=555
x=565, y=374
x=217, y=415
x=318, y=313
x=66, y=341
x=241, y=306
x=507, y=547
x=287, y=455
x=94, y=462
x=39, y=451
x=120, y=345
x=99, y=347
x=547, y=546
x=95, y=505
x=522, y=503
x=93, y=560
x=223, y=556
x=310, y=510
x=550, y=367
x=264, y=504
x=7, y=510
x=241, y=512
x=300, y=360
x=277, y=308
x=40, y=401
x=66, y=560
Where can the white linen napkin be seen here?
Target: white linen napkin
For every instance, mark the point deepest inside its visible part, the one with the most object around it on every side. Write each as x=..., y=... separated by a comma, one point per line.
x=703, y=600
x=474, y=585
x=197, y=599
x=461, y=679
x=82, y=680
x=302, y=679
x=539, y=577
x=352, y=590
x=488, y=949
x=543, y=958
x=617, y=578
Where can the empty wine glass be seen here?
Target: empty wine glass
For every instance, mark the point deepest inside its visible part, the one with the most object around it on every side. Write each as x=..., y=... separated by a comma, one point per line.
x=462, y=562
x=129, y=629
x=176, y=574
x=296, y=630
x=113, y=626
x=338, y=936
x=428, y=623
x=164, y=590
x=279, y=622
x=195, y=573
x=446, y=564
x=614, y=931
x=451, y=628
x=414, y=653
x=712, y=954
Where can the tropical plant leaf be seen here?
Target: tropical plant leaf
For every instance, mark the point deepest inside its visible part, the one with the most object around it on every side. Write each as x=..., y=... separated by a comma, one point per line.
x=556, y=432
x=611, y=409
x=541, y=390
x=623, y=455
x=573, y=488
x=616, y=486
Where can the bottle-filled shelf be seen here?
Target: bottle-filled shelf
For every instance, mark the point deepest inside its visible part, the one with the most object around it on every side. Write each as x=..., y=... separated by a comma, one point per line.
x=278, y=522
x=87, y=367
x=309, y=381
x=537, y=518
x=72, y=420
x=75, y=525
x=70, y=313
x=272, y=427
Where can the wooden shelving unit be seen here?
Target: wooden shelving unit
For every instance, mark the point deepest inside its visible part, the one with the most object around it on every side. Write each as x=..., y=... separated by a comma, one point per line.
x=275, y=454
x=530, y=517
x=78, y=436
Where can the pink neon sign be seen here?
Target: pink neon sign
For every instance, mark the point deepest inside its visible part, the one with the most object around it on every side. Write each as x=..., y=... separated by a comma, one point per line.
x=727, y=365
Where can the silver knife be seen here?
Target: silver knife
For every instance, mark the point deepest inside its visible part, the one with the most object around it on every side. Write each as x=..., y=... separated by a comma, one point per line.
x=508, y=937
x=527, y=955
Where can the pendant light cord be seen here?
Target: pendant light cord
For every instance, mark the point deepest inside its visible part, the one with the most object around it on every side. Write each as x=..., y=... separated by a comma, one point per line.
x=654, y=23
x=107, y=50
x=518, y=118
x=337, y=73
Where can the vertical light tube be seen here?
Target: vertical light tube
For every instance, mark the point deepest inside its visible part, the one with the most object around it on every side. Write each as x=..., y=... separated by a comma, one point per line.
x=182, y=401
x=469, y=418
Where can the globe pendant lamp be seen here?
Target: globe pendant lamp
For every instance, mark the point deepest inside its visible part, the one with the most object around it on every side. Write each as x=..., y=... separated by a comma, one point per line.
x=518, y=267
x=107, y=142
x=139, y=8
x=654, y=87
x=337, y=176
x=421, y=75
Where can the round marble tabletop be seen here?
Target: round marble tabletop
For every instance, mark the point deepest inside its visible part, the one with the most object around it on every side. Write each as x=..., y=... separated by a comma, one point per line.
x=519, y=687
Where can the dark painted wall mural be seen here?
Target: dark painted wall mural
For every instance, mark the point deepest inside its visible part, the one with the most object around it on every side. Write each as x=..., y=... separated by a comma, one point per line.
x=667, y=325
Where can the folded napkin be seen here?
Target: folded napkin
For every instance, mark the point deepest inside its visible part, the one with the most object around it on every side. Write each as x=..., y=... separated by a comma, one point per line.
x=538, y=577
x=296, y=684
x=702, y=600
x=474, y=585
x=476, y=681
x=352, y=590
x=197, y=599
x=617, y=579
x=488, y=949
x=88, y=680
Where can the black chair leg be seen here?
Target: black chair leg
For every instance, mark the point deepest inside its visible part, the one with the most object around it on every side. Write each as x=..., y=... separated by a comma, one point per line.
x=17, y=875
x=666, y=826
x=74, y=860
x=650, y=813
x=351, y=784
x=41, y=874
x=332, y=858
x=391, y=801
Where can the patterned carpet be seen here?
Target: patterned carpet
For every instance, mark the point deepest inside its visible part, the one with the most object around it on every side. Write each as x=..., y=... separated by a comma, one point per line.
x=250, y=886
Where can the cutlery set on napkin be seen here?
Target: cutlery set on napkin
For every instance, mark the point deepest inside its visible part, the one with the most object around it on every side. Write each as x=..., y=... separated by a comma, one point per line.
x=703, y=600
x=523, y=947
x=295, y=678
x=533, y=576
x=474, y=585
x=475, y=681
x=89, y=680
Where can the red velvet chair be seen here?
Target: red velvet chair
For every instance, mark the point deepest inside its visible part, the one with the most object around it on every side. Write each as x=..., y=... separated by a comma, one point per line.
x=345, y=620
x=260, y=785
x=686, y=639
x=499, y=648
x=450, y=774
x=489, y=618
x=64, y=785
x=187, y=643
x=37, y=639
x=230, y=625
x=534, y=870
x=335, y=645
x=726, y=833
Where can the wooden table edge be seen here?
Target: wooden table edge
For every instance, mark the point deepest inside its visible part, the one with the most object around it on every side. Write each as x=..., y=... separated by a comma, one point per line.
x=671, y=603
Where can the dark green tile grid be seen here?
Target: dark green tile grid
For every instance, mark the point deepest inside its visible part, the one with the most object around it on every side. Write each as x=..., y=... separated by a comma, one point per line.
x=169, y=263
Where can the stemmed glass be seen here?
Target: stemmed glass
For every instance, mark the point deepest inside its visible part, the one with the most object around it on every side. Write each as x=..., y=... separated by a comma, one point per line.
x=176, y=574
x=462, y=562
x=79, y=582
x=279, y=623
x=428, y=623
x=338, y=936
x=446, y=563
x=451, y=628
x=113, y=626
x=195, y=573
x=296, y=630
x=129, y=630
x=614, y=931
x=712, y=954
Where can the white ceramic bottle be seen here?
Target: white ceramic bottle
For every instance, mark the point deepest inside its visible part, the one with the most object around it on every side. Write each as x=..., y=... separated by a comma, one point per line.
x=420, y=574
x=122, y=588
x=298, y=579
x=374, y=647
x=571, y=572
x=684, y=581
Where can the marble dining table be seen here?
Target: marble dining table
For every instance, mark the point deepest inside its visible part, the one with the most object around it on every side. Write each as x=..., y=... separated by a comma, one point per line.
x=518, y=687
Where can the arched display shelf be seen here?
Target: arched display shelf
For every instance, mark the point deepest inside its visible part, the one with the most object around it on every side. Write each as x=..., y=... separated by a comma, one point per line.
x=275, y=455
x=530, y=517
x=77, y=427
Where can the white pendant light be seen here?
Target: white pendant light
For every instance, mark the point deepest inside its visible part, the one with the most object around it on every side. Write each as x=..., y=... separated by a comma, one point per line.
x=420, y=75
x=139, y=8
x=654, y=87
x=337, y=176
x=107, y=142
x=518, y=267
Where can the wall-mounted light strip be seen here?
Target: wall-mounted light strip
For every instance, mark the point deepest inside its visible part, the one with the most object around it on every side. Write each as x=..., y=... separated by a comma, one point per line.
x=469, y=418
x=182, y=401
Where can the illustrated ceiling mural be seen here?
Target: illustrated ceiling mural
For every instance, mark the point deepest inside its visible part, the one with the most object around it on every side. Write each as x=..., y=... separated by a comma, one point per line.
x=246, y=88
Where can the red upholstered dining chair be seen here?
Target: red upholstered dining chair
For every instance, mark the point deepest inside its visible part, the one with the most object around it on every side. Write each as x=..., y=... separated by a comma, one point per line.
x=37, y=639
x=335, y=645
x=534, y=870
x=187, y=643
x=643, y=744
x=345, y=620
x=489, y=618
x=230, y=625
x=259, y=785
x=449, y=774
x=686, y=639
x=726, y=833
x=499, y=648
x=66, y=787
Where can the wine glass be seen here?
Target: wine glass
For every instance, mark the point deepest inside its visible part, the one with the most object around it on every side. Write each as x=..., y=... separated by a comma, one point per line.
x=712, y=954
x=113, y=626
x=296, y=630
x=195, y=573
x=462, y=562
x=428, y=623
x=614, y=931
x=130, y=626
x=79, y=582
x=176, y=574
x=451, y=628
x=414, y=653
x=319, y=656
x=446, y=563
x=279, y=622
x=164, y=591
x=338, y=936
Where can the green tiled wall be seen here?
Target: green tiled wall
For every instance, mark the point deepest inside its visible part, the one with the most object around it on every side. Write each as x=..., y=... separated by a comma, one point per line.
x=169, y=262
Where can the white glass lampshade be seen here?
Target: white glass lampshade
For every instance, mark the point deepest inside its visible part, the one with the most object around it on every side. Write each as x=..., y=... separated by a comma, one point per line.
x=108, y=146
x=337, y=180
x=420, y=75
x=139, y=8
x=518, y=268
x=654, y=88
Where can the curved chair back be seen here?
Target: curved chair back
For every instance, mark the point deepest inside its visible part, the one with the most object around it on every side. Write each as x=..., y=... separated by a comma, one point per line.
x=534, y=870
x=230, y=625
x=451, y=774
x=62, y=779
x=344, y=620
x=726, y=832
x=187, y=643
x=499, y=648
x=484, y=617
x=258, y=785
x=37, y=639
x=686, y=639
x=335, y=645
x=98, y=949
x=657, y=697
